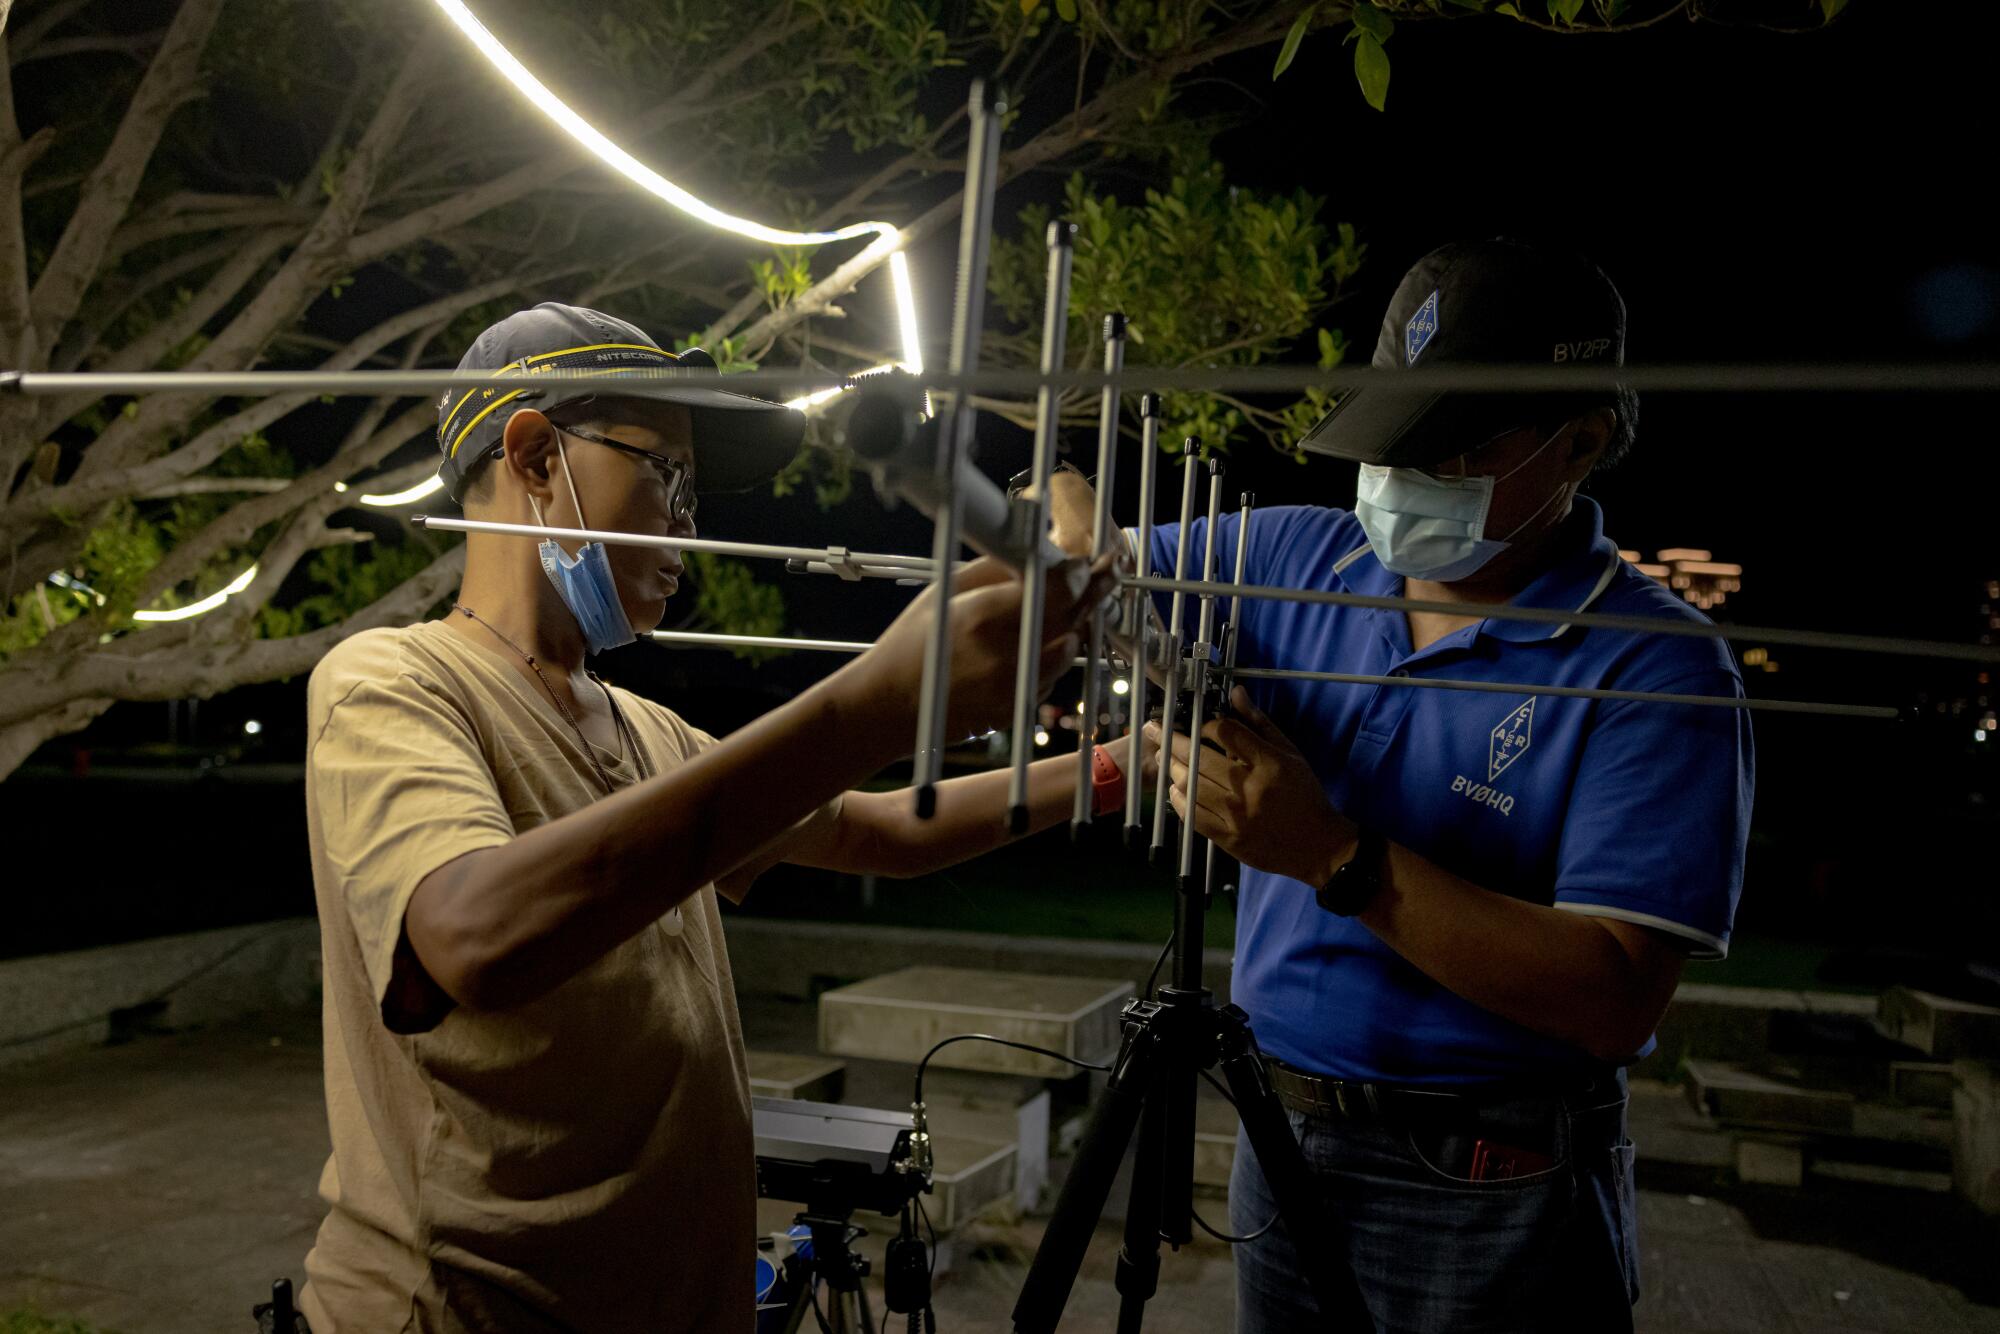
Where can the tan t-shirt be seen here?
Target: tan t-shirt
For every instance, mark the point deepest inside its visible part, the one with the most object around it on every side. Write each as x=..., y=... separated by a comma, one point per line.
x=579, y=1163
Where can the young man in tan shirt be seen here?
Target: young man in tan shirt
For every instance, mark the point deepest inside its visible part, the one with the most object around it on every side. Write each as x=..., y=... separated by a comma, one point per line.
x=534, y=1071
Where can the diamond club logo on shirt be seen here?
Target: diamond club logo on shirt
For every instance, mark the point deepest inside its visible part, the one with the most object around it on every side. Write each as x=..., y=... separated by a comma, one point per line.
x=1509, y=741
x=1417, y=333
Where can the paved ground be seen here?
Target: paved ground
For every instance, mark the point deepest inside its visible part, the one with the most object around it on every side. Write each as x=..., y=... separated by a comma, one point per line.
x=157, y=1187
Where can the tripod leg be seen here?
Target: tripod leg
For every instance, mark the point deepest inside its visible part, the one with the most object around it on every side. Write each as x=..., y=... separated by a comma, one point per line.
x=795, y=1312
x=1084, y=1192
x=1174, y=1089
x=1285, y=1169
x=1138, y=1272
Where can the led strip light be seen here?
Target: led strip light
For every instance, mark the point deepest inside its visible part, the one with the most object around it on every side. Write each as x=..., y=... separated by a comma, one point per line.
x=887, y=238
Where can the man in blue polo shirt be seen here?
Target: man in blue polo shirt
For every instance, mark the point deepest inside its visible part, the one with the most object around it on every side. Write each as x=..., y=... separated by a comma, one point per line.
x=1462, y=913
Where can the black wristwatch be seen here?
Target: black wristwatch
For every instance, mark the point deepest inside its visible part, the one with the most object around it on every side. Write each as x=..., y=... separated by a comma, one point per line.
x=1356, y=881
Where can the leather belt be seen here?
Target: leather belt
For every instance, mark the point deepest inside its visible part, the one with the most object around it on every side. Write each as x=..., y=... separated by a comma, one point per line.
x=1347, y=1100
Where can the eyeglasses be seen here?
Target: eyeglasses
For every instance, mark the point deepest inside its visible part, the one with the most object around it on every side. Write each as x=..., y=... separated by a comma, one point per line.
x=676, y=476
x=1456, y=469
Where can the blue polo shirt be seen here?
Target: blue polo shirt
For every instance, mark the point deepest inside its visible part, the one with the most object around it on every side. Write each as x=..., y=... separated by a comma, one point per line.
x=1617, y=809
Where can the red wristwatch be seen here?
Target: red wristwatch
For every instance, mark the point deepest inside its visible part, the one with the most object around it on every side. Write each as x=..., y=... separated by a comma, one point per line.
x=1107, y=783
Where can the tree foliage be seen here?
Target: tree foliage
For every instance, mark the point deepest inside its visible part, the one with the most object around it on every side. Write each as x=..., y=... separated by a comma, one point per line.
x=1208, y=275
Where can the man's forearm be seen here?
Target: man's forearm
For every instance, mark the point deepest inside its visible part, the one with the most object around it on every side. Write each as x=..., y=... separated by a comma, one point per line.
x=887, y=838
x=500, y=927
x=1557, y=973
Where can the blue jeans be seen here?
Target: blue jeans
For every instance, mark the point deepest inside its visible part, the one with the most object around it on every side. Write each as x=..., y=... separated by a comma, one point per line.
x=1435, y=1252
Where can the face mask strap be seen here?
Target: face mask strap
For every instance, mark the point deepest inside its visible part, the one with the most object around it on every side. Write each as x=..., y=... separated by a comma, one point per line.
x=1532, y=457
x=571, y=481
x=1546, y=503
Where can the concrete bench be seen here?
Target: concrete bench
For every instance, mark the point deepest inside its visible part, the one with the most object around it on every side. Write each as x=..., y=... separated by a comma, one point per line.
x=900, y=1016
x=781, y=1075
x=1942, y=1028
x=969, y=1175
x=1779, y=1132
x=1738, y=1096
x=996, y=1109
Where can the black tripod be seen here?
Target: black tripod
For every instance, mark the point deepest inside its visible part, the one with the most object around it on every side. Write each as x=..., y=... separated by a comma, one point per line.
x=906, y=1280
x=833, y=1260
x=1169, y=1042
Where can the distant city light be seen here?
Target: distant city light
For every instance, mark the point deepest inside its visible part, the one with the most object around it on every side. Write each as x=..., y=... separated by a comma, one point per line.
x=1041, y=736
x=252, y=727
x=1692, y=572
x=1121, y=687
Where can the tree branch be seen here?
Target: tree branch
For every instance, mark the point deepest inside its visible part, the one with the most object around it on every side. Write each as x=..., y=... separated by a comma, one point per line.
x=307, y=532
x=303, y=275
x=326, y=250
x=23, y=739
x=203, y=668
x=109, y=450
x=81, y=495
x=246, y=261
x=107, y=309
x=159, y=226
x=132, y=46
x=47, y=20
x=108, y=191
x=312, y=493
x=15, y=156
x=214, y=486
x=319, y=256
x=1578, y=29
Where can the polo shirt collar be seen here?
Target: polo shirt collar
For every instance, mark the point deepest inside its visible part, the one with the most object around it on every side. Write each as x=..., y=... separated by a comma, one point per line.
x=1585, y=566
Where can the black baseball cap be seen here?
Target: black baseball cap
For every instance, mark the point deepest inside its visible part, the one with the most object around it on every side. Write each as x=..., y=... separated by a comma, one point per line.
x=739, y=441
x=1497, y=302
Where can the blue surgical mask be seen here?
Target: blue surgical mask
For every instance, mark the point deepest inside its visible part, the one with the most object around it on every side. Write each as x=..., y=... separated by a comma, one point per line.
x=1424, y=527
x=584, y=581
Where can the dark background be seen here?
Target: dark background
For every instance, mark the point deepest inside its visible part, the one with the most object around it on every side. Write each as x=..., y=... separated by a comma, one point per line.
x=1757, y=197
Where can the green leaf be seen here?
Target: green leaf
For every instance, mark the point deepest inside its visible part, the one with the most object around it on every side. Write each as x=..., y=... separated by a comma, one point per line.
x=1830, y=8
x=1066, y=10
x=1292, y=40
x=1371, y=67
x=1371, y=20
x=1511, y=12
x=1564, y=11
